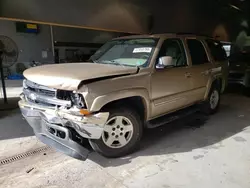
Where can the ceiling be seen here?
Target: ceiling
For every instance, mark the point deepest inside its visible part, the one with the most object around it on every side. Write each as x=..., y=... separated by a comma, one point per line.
x=198, y=16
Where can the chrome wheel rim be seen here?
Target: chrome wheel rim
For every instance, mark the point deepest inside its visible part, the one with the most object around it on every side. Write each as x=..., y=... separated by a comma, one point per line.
x=117, y=132
x=214, y=99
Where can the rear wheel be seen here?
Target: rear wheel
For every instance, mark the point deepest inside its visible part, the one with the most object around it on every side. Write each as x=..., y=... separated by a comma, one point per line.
x=121, y=134
x=211, y=105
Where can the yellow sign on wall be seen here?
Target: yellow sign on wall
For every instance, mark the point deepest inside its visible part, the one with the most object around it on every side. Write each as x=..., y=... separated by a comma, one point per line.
x=31, y=26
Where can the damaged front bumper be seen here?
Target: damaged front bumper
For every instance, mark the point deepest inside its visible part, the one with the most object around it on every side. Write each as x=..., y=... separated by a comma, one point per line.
x=54, y=127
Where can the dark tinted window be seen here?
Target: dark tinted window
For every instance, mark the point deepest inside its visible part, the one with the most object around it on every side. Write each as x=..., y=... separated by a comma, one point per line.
x=175, y=49
x=197, y=52
x=240, y=58
x=217, y=50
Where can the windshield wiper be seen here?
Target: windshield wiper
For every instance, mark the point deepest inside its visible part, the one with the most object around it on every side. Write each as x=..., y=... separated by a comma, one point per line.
x=113, y=62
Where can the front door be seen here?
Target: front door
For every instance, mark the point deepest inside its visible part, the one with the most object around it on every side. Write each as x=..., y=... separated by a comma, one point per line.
x=170, y=86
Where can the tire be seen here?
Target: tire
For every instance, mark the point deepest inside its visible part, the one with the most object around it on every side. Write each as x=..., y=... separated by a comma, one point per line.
x=211, y=105
x=122, y=123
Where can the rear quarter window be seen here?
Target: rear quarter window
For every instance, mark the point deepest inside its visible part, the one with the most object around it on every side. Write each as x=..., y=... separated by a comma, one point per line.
x=217, y=50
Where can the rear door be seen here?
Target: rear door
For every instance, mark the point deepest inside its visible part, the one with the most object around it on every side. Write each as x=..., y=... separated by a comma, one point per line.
x=200, y=69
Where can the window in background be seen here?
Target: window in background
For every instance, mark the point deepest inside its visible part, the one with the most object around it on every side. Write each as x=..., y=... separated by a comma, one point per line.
x=217, y=51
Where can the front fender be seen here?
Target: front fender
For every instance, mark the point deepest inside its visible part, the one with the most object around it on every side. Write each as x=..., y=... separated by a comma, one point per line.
x=100, y=101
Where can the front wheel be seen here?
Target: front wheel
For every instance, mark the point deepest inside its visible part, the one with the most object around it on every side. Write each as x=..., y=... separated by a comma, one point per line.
x=211, y=105
x=121, y=135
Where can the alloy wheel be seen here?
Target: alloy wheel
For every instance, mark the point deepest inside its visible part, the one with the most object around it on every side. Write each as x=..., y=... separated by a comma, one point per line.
x=117, y=132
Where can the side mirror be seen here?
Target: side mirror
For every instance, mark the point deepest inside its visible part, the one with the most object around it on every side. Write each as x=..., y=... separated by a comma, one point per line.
x=165, y=62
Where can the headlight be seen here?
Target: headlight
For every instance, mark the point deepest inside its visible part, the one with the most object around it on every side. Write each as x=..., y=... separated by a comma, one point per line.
x=78, y=100
x=24, y=84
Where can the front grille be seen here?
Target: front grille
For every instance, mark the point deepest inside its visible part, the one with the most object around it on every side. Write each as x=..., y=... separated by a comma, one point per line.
x=45, y=96
x=39, y=89
x=236, y=75
x=43, y=92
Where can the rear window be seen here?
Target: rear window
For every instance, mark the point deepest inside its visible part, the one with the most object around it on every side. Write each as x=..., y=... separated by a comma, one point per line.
x=217, y=50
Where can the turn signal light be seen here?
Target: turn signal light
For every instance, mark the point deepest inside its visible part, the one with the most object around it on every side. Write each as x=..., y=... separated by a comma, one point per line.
x=84, y=112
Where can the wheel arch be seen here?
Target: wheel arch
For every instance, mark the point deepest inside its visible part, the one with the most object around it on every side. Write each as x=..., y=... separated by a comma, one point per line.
x=216, y=80
x=137, y=98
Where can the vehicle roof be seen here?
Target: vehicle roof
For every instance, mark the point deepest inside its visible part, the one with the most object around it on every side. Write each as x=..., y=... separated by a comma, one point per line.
x=164, y=35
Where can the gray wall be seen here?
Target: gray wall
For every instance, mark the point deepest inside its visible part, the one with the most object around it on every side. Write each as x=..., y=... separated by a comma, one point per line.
x=30, y=46
x=109, y=14
x=126, y=16
x=196, y=16
x=174, y=16
x=65, y=34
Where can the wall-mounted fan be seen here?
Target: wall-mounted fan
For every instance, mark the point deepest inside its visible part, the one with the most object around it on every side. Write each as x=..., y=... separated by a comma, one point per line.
x=8, y=56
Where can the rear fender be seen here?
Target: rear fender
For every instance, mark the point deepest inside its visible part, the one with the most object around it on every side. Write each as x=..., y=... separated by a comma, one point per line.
x=214, y=78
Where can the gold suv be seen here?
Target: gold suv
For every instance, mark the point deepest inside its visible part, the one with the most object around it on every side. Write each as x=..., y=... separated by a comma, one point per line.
x=130, y=83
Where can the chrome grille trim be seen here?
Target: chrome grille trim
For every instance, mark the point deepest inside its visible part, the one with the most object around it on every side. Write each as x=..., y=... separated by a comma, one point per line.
x=36, y=93
x=44, y=99
x=36, y=86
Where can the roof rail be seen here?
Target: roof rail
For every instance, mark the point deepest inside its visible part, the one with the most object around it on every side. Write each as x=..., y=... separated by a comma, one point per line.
x=195, y=34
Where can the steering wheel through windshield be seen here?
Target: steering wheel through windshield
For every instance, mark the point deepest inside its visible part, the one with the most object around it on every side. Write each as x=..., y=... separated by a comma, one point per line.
x=145, y=56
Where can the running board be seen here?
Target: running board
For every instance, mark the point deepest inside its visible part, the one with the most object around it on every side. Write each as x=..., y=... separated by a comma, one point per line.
x=172, y=117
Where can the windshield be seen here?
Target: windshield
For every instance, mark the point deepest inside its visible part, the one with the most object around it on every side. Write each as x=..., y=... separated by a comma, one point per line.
x=126, y=52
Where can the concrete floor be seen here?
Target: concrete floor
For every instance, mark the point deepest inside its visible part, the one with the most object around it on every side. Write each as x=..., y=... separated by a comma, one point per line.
x=194, y=152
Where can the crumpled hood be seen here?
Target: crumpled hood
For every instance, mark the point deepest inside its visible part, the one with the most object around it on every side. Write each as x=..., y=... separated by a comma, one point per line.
x=68, y=76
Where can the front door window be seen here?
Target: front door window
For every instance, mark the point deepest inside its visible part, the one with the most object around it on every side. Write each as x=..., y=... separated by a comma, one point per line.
x=173, y=48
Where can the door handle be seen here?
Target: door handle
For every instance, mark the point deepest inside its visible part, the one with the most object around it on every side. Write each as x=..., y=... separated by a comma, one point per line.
x=187, y=74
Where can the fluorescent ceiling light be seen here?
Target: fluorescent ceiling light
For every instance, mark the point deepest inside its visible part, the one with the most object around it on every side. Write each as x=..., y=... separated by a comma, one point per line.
x=233, y=6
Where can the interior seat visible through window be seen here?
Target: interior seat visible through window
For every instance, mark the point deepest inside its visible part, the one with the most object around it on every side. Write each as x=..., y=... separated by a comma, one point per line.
x=175, y=49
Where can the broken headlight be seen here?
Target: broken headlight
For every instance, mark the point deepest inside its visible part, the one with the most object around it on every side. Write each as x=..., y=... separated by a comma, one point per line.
x=78, y=100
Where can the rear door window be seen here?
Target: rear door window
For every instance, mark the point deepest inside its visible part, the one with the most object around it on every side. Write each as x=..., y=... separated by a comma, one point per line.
x=217, y=50
x=197, y=52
